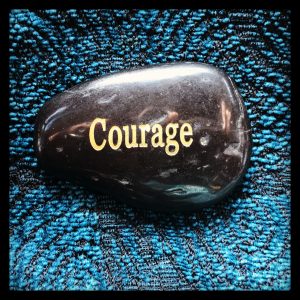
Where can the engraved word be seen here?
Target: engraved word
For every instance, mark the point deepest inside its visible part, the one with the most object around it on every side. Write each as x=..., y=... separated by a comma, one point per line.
x=127, y=135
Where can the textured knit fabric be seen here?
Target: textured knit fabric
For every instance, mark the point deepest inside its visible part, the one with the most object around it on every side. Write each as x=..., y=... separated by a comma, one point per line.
x=65, y=237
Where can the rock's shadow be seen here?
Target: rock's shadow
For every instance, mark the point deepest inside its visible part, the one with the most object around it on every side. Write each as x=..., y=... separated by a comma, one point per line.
x=104, y=202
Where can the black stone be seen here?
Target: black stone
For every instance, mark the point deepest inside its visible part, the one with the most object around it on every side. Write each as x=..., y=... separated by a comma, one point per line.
x=196, y=176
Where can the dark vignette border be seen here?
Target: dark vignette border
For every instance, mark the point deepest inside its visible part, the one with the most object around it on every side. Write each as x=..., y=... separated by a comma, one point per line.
x=4, y=142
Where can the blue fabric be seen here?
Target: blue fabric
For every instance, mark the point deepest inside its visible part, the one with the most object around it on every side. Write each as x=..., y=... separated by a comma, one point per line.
x=64, y=237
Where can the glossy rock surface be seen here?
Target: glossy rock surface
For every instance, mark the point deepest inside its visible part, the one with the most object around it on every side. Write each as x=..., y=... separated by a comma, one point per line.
x=206, y=164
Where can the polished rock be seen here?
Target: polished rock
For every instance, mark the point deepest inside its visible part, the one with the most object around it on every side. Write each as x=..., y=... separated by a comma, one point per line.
x=172, y=136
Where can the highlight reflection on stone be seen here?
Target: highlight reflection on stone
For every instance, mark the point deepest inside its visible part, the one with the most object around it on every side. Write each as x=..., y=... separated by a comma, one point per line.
x=173, y=136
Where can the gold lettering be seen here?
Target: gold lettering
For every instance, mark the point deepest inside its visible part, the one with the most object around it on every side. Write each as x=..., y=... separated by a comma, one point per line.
x=161, y=137
x=184, y=133
x=133, y=143
x=170, y=139
x=157, y=136
x=144, y=128
x=92, y=134
x=111, y=137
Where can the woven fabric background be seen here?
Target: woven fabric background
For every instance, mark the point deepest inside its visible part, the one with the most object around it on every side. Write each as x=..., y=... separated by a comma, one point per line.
x=64, y=237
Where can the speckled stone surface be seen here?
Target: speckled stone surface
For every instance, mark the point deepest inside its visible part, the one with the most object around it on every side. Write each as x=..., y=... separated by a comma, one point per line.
x=196, y=156
x=64, y=237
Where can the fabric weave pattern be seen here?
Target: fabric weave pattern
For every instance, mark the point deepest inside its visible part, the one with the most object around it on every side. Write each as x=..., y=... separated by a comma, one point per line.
x=64, y=237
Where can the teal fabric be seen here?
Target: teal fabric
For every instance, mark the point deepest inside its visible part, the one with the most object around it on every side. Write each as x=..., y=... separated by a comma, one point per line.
x=64, y=237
